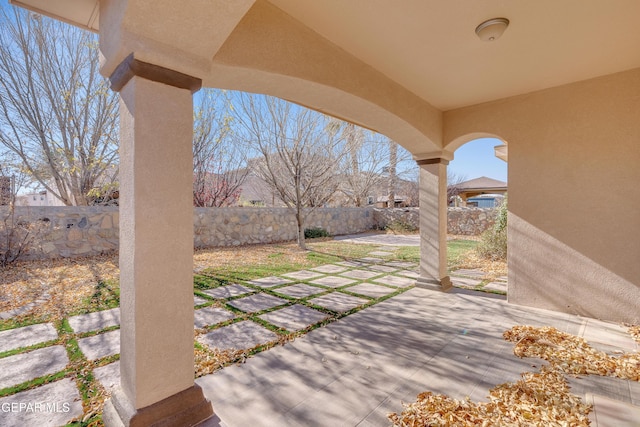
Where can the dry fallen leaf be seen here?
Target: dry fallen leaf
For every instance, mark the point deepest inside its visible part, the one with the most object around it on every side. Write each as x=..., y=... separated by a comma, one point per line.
x=538, y=399
x=571, y=354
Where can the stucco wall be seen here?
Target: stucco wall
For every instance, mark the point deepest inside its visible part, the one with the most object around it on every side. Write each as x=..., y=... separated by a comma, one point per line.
x=574, y=199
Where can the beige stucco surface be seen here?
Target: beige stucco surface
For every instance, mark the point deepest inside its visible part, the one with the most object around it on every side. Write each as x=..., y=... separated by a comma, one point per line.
x=433, y=226
x=156, y=241
x=574, y=202
x=270, y=52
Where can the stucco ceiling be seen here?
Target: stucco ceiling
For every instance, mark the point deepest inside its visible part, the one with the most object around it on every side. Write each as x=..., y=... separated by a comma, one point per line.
x=430, y=47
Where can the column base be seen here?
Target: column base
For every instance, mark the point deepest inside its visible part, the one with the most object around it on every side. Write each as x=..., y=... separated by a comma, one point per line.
x=187, y=408
x=442, y=285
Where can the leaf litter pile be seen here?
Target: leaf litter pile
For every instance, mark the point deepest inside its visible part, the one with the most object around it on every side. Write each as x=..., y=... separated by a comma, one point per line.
x=571, y=354
x=538, y=399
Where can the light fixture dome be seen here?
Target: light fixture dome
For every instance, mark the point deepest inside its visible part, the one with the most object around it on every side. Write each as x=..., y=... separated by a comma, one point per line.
x=492, y=29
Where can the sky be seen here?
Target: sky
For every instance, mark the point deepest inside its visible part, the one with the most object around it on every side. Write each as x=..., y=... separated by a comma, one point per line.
x=476, y=158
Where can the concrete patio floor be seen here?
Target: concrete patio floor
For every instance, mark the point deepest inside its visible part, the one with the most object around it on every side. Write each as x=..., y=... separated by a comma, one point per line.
x=356, y=370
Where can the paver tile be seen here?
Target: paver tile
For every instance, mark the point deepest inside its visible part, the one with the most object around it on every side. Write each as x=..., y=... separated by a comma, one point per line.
x=333, y=282
x=27, y=336
x=614, y=388
x=268, y=282
x=612, y=413
x=371, y=290
x=400, y=282
x=34, y=364
x=469, y=272
x=58, y=402
x=299, y=290
x=210, y=316
x=502, y=279
x=199, y=300
x=95, y=321
x=496, y=286
x=598, y=332
x=401, y=264
x=101, y=345
x=241, y=335
x=465, y=282
x=383, y=268
x=257, y=302
x=330, y=268
x=409, y=273
x=353, y=263
x=361, y=274
x=108, y=375
x=228, y=291
x=371, y=260
x=338, y=302
x=381, y=253
x=295, y=317
x=303, y=275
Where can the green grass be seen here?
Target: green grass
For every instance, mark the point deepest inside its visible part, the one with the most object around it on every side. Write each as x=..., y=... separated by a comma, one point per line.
x=279, y=262
x=341, y=251
x=106, y=295
x=408, y=254
x=457, y=248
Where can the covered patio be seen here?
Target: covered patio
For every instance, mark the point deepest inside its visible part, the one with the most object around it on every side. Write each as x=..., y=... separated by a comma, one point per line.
x=560, y=87
x=356, y=371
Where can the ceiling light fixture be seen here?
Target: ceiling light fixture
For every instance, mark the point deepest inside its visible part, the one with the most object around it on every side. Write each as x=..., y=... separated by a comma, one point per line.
x=492, y=29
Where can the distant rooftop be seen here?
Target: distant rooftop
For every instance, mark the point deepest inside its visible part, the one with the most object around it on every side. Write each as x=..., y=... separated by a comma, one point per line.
x=484, y=183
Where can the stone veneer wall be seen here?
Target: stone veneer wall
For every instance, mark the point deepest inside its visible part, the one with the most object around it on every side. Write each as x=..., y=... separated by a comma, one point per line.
x=70, y=231
x=470, y=221
x=240, y=226
x=80, y=231
x=465, y=221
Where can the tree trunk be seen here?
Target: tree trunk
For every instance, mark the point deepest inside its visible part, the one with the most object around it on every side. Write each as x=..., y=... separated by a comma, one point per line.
x=393, y=164
x=301, y=239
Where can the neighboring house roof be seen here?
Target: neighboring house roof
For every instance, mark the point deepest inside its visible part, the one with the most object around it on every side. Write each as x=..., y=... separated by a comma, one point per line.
x=483, y=183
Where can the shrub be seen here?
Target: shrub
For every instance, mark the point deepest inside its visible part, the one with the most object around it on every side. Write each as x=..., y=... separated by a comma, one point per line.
x=501, y=219
x=15, y=238
x=314, y=233
x=493, y=245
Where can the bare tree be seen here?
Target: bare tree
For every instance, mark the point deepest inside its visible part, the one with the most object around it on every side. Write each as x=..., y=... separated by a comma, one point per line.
x=56, y=112
x=16, y=235
x=299, y=153
x=453, y=185
x=366, y=161
x=393, y=173
x=410, y=188
x=219, y=159
x=13, y=178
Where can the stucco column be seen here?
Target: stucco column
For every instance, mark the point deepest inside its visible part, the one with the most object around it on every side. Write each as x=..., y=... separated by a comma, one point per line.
x=156, y=250
x=433, y=225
